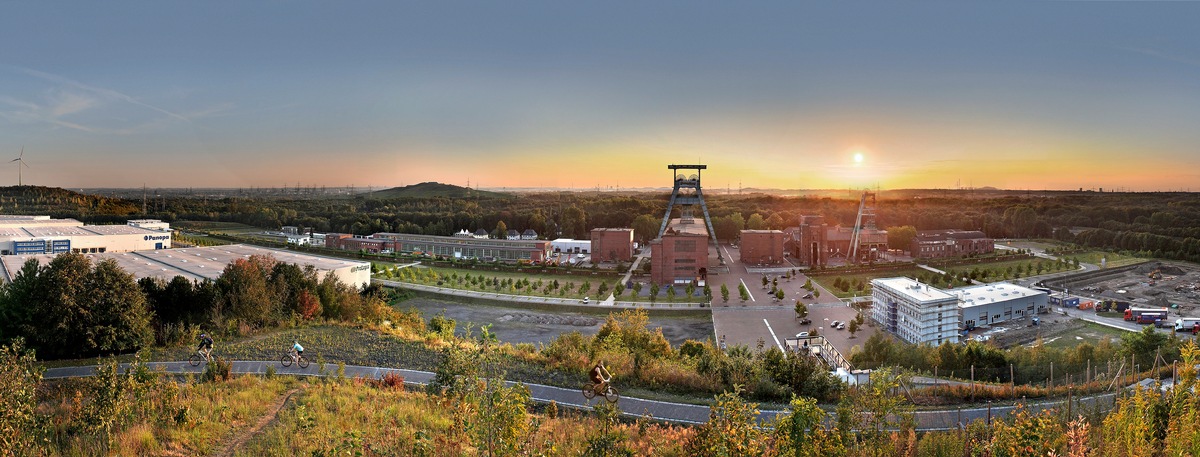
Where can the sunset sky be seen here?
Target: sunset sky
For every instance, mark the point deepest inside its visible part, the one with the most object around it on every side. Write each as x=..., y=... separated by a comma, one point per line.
x=1021, y=95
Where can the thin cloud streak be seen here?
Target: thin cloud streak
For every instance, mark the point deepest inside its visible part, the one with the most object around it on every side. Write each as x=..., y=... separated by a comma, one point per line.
x=100, y=90
x=1163, y=55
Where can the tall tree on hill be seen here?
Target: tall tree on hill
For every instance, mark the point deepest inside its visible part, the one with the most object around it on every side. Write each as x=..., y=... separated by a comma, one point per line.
x=120, y=316
x=289, y=280
x=16, y=299
x=59, y=320
x=244, y=294
x=73, y=309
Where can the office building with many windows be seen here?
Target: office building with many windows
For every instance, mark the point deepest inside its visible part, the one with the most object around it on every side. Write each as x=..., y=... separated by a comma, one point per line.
x=915, y=312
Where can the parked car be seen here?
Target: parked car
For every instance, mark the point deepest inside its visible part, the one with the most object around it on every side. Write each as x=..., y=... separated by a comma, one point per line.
x=808, y=295
x=841, y=326
x=585, y=300
x=802, y=335
x=805, y=321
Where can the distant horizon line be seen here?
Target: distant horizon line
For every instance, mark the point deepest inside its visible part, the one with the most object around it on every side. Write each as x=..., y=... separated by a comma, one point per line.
x=710, y=190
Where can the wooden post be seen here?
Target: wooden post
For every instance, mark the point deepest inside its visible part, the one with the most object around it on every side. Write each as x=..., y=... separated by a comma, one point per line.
x=1051, y=375
x=973, y=383
x=935, y=378
x=1012, y=381
x=1088, y=371
x=1069, y=412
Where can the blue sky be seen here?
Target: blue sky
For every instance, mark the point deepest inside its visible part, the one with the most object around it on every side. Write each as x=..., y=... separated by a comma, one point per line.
x=932, y=94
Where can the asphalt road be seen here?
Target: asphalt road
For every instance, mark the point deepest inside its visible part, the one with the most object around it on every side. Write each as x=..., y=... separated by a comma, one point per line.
x=660, y=410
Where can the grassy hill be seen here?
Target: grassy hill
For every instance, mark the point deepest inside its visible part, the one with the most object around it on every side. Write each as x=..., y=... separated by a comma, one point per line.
x=57, y=202
x=435, y=189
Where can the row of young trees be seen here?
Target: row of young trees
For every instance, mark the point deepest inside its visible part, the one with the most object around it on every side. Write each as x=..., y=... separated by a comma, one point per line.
x=1027, y=364
x=71, y=307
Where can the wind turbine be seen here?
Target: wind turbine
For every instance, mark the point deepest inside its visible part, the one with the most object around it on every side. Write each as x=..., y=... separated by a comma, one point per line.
x=20, y=161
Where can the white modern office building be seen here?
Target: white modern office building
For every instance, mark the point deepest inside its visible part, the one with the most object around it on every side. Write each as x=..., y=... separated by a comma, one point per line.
x=27, y=235
x=915, y=312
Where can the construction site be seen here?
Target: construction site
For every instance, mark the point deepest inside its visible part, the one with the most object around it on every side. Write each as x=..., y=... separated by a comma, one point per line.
x=1171, y=285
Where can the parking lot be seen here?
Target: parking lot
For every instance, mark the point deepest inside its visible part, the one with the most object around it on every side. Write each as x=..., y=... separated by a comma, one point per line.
x=771, y=321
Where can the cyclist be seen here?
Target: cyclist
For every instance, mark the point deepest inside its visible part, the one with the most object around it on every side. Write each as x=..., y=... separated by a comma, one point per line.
x=206, y=345
x=600, y=377
x=297, y=350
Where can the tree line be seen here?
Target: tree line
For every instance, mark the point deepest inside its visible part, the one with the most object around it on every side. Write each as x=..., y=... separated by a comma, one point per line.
x=71, y=307
x=1164, y=225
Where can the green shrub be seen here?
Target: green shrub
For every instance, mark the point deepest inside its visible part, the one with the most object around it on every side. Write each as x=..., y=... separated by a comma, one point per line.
x=218, y=369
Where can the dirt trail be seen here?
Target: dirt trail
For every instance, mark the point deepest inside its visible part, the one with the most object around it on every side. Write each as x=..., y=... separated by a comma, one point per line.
x=240, y=439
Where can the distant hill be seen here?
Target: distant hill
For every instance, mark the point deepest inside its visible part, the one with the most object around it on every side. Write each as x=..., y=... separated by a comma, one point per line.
x=58, y=202
x=435, y=189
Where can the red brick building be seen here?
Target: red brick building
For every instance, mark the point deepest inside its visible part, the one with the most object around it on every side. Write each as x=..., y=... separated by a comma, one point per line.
x=807, y=242
x=762, y=247
x=357, y=243
x=871, y=242
x=680, y=256
x=934, y=244
x=612, y=245
x=814, y=242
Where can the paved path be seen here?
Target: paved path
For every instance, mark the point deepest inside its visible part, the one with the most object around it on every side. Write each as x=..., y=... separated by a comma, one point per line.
x=637, y=260
x=661, y=410
x=511, y=298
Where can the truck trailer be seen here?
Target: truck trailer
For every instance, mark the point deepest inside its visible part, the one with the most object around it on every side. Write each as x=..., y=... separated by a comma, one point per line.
x=1187, y=324
x=1132, y=314
x=1151, y=317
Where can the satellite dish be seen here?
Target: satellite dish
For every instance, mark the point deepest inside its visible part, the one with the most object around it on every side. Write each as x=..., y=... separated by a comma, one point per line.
x=680, y=177
x=694, y=177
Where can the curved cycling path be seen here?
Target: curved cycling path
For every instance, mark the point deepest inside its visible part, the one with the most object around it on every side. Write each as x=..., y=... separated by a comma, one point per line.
x=661, y=410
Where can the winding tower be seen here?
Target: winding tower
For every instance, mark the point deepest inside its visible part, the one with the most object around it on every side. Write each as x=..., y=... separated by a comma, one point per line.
x=687, y=194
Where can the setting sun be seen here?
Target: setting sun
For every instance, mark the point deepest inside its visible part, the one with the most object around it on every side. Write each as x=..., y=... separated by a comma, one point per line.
x=858, y=157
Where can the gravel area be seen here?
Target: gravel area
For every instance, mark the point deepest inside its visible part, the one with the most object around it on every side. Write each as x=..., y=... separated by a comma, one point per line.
x=522, y=325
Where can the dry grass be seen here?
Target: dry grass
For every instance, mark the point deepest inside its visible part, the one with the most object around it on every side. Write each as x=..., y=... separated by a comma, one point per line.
x=217, y=410
x=372, y=419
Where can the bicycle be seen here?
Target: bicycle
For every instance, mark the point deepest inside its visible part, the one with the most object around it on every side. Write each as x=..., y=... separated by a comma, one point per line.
x=199, y=356
x=610, y=394
x=292, y=356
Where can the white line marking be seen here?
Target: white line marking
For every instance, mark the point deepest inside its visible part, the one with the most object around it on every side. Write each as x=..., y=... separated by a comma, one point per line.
x=747, y=290
x=773, y=335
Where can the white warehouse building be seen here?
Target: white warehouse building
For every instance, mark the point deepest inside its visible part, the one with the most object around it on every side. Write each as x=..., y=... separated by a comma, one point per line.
x=203, y=263
x=920, y=313
x=28, y=235
x=571, y=246
x=994, y=303
x=915, y=312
